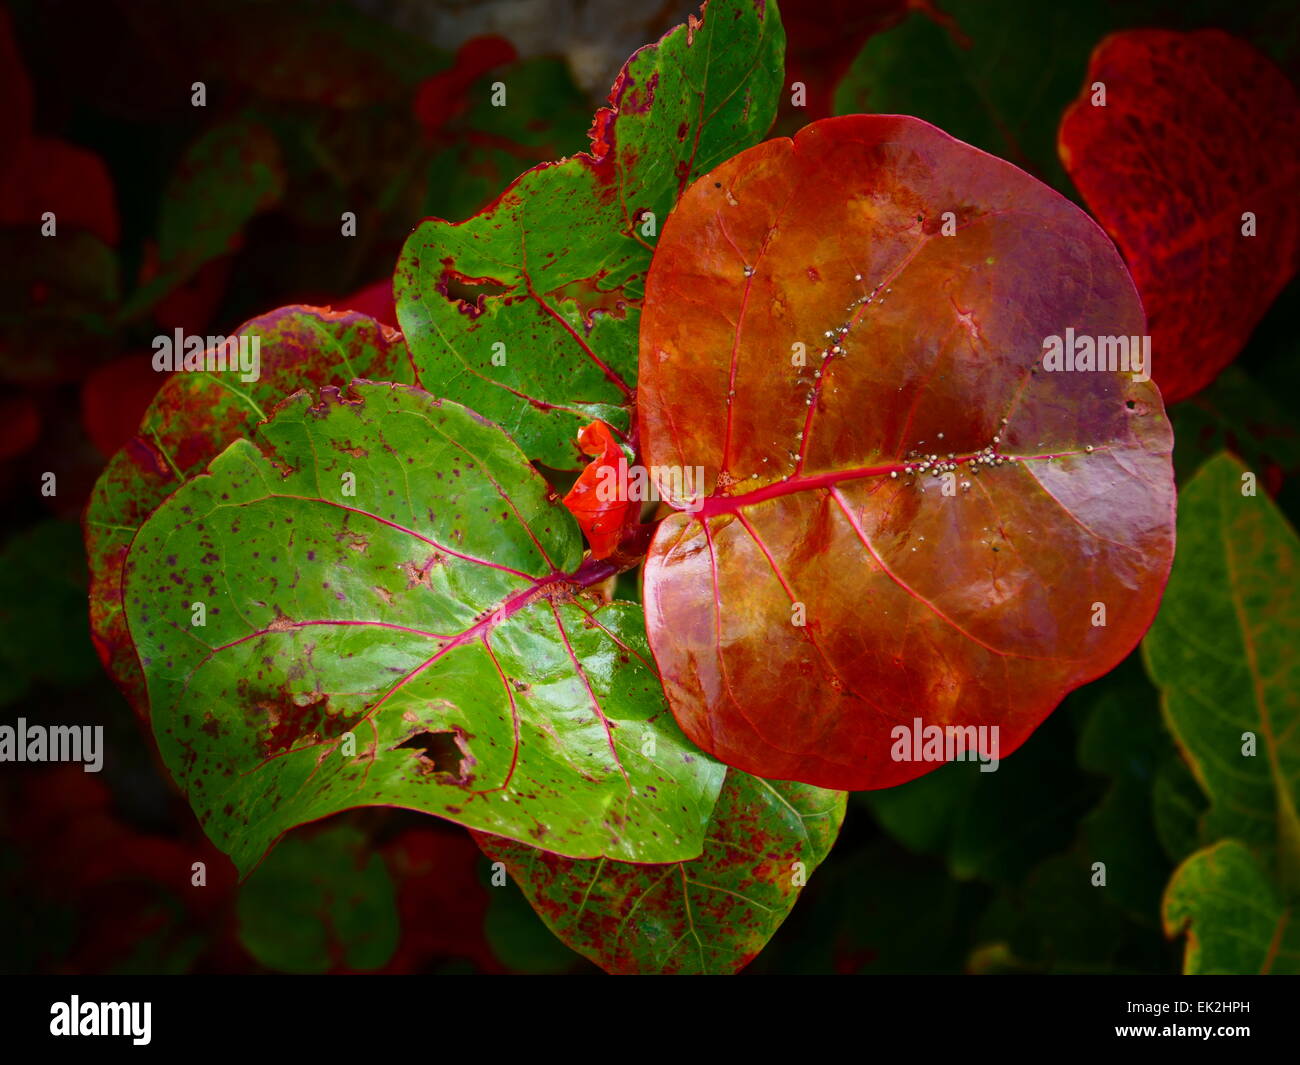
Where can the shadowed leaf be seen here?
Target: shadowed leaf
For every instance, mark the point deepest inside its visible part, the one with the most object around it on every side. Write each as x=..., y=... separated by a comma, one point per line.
x=321, y=901
x=710, y=915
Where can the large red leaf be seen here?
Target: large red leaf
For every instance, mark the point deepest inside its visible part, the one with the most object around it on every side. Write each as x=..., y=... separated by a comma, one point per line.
x=975, y=608
x=1198, y=129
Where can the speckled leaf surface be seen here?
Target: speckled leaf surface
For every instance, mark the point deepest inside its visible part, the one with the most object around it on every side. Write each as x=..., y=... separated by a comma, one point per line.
x=1223, y=652
x=192, y=419
x=528, y=312
x=823, y=503
x=710, y=915
x=433, y=615
x=1198, y=129
x=1233, y=917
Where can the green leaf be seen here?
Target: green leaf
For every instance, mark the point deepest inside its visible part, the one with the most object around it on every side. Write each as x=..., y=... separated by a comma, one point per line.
x=1223, y=651
x=319, y=902
x=528, y=312
x=387, y=566
x=228, y=175
x=192, y=419
x=710, y=915
x=1057, y=921
x=1177, y=806
x=991, y=826
x=487, y=143
x=1232, y=914
x=1238, y=413
x=997, y=76
x=1125, y=739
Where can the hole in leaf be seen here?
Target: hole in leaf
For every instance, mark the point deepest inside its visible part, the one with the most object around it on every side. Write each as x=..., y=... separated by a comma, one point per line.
x=470, y=292
x=438, y=752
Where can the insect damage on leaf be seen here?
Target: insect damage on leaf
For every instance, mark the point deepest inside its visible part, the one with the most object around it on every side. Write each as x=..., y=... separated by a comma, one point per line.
x=486, y=691
x=914, y=512
x=528, y=311
x=710, y=915
x=192, y=419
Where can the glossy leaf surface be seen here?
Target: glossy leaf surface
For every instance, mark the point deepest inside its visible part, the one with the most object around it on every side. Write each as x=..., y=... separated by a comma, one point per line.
x=528, y=311
x=391, y=618
x=192, y=419
x=1199, y=130
x=812, y=337
x=710, y=915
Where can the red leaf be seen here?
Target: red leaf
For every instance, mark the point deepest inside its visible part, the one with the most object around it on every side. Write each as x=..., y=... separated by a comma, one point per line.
x=445, y=96
x=191, y=305
x=47, y=174
x=15, y=91
x=375, y=300
x=970, y=609
x=823, y=39
x=114, y=399
x=1198, y=129
x=601, y=519
x=441, y=900
x=20, y=424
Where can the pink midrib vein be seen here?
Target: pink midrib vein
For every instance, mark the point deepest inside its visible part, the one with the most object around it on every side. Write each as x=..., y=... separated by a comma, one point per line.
x=716, y=505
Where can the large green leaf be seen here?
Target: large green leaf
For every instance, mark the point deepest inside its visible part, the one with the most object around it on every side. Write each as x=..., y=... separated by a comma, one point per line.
x=1223, y=651
x=1234, y=920
x=710, y=915
x=528, y=312
x=192, y=419
x=433, y=616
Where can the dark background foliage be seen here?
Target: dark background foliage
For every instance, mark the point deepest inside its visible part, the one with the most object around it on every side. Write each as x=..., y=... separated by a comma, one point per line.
x=200, y=218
